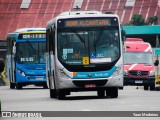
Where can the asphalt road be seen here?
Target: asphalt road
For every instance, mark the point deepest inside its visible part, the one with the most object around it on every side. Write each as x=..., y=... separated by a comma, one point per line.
x=37, y=99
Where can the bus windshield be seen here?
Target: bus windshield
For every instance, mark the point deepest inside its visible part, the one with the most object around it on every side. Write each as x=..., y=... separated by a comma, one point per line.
x=138, y=58
x=96, y=46
x=31, y=52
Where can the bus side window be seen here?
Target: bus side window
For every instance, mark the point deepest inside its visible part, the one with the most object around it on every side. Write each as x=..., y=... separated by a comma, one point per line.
x=10, y=44
x=51, y=42
x=47, y=40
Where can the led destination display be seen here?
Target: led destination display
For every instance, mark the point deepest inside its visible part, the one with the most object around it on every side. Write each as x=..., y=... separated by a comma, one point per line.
x=87, y=23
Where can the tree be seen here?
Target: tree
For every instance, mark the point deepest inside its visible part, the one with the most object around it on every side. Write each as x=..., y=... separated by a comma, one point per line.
x=137, y=19
x=153, y=20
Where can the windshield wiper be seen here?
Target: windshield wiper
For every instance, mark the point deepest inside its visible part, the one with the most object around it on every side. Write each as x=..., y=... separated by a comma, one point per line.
x=98, y=38
x=80, y=37
x=31, y=45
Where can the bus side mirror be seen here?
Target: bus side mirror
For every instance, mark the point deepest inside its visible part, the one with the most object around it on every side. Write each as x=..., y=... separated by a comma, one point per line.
x=123, y=34
x=1, y=64
x=156, y=63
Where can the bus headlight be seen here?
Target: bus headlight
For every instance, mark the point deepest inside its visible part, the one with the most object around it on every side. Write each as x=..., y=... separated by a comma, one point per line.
x=63, y=74
x=152, y=73
x=117, y=71
x=21, y=72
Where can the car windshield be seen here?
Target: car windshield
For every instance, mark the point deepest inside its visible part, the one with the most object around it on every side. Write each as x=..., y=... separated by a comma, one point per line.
x=31, y=52
x=138, y=58
x=96, y=46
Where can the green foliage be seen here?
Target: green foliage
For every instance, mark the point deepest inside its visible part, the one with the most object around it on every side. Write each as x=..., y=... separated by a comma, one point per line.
x=137, y=19
x=153, y=20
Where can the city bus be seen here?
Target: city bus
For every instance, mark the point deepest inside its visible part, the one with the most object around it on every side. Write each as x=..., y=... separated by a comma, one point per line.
x=84, y=53
x=25, y=59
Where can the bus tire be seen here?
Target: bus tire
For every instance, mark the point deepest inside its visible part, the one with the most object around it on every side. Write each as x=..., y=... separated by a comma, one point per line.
x=112, y=92
x=101, y=93
x=145, y=87
x=45, y=86
x=12, y=85
x=53, y=93
x=61, y=94
x=18, y=86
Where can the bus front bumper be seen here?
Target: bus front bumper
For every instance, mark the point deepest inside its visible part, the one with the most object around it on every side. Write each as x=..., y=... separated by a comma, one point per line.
x=90, y=83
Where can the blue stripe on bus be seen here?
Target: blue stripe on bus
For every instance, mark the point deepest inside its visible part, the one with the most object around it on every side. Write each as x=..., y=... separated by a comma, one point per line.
x=100, y=74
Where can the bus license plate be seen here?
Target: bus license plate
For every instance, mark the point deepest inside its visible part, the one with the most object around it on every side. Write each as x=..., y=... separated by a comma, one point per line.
x=90, y=86
x=138, y=81
x=39, y=78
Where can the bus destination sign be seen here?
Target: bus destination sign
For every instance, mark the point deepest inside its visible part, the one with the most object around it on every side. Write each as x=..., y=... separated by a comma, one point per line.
x=88, y=23
x=32, y=36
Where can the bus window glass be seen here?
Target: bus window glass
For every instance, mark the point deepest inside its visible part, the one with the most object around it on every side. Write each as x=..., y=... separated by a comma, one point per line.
x=31, y=52
x=96, y=46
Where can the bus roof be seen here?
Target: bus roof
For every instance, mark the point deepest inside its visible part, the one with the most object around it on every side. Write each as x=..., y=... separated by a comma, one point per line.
x=26, y=30
x=30, y=29
x=79, y=14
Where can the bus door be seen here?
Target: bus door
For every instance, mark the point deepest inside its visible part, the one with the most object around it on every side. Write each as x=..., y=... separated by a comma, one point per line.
x=11, y=60
x=50, y=46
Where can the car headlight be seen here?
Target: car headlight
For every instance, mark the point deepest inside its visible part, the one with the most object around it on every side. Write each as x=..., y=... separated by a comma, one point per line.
x=152, y=73
x=63, y=74
x=21, y=72
x=117, y=71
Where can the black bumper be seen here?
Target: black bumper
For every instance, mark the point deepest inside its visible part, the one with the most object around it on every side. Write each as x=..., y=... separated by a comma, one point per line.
x=139, y=81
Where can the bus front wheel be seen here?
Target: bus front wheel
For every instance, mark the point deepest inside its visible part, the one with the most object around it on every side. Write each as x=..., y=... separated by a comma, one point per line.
x=45, y=86
x=101, y=93
x=12, y=85
x=53, y=93
x=61, y=94
x=18, y=86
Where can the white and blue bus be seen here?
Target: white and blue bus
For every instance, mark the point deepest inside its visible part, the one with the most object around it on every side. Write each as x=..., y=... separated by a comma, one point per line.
x=84, y=53
x=25, y=60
